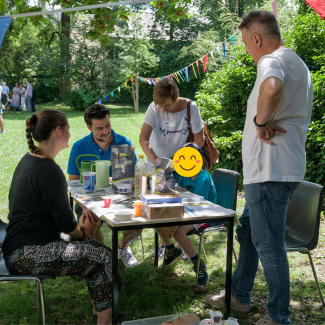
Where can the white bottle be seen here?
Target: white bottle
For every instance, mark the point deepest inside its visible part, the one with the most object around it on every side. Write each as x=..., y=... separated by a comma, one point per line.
x=139, y=171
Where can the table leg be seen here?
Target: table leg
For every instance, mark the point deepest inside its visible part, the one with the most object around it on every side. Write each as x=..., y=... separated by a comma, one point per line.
x=156, y=250
x=115, y=275
x=230, y=226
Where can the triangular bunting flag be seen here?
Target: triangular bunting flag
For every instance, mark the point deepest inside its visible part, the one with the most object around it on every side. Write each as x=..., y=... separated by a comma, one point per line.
x=100, y=101
x=194, y=70
x=180, y=74
x=224, y=49
x=232, y=37
x=132, y=79
x=205, y=62
x=218, y=48
x=186, y=73
x=198, y=68
x=275, y=7
x=174, y=75
x=119, y=89
x=125, y=84
x=106, y=97
x=112, y=94
x=213, y=59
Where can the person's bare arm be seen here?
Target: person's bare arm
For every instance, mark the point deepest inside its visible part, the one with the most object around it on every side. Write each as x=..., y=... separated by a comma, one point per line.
x=144, y=142
x=199, y=138
x=77, y=233
x=73, y=177
x=86, y=212
x=268, y=101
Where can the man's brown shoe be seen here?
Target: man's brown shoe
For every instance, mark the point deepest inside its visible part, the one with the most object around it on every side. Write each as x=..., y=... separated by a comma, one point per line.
x=219, y=301
x=267, y=321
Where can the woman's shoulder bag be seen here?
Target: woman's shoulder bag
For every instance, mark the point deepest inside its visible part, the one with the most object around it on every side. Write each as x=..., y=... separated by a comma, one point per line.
x=210, y=152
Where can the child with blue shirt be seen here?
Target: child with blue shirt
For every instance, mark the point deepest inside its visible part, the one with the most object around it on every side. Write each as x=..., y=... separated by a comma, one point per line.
x=200, y=184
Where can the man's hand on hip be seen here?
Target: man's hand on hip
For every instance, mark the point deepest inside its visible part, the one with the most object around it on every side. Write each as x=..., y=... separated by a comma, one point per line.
x=269, y=131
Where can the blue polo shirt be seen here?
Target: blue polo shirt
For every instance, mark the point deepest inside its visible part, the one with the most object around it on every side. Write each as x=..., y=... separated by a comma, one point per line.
x=87, y=145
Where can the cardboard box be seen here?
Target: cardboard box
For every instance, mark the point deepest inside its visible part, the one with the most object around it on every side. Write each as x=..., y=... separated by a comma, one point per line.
x=189, y=319
x=165, y=210
x=163, y=206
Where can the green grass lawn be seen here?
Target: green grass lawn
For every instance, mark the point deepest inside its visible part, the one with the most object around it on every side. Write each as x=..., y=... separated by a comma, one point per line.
x=149, y=291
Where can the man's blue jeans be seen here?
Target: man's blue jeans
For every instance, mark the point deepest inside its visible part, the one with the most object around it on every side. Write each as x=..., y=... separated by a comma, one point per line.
x=262, y=237
x=29, y=103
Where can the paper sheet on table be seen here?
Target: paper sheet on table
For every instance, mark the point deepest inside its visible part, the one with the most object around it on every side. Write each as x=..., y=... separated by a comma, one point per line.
x=77, y=190
x=206, y=208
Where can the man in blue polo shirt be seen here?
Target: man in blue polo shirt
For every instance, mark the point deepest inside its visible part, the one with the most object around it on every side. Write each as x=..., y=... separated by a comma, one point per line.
x=99, y=142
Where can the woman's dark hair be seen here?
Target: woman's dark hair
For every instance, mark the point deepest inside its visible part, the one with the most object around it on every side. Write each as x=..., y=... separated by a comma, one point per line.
x=40, y=126
x=97, y=112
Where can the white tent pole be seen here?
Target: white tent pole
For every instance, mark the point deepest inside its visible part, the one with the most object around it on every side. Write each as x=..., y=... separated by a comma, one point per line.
x=101, y=5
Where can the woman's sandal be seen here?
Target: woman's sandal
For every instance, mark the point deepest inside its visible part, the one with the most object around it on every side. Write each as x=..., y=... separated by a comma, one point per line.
x=120, y=317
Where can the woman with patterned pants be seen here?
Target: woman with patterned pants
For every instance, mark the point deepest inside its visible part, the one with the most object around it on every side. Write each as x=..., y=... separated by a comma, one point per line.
x=39, y=211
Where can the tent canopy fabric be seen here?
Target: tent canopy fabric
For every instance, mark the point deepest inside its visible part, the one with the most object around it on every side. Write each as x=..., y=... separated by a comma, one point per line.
x=318, y=6
x=4, y=25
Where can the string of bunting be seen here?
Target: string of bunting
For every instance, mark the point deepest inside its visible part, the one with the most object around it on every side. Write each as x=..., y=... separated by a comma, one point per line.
x=182, y=74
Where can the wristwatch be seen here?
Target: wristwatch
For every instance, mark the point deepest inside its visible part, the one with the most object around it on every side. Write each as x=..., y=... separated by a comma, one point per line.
x=83, y=237
x=258, y=125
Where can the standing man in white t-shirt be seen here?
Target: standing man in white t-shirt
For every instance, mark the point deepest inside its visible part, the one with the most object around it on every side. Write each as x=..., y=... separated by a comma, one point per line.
x=273, y=150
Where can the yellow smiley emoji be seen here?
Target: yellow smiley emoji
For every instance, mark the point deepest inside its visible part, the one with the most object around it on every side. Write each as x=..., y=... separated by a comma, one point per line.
x=187, y=162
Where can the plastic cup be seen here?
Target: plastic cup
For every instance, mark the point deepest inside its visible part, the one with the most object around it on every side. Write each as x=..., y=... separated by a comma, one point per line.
x=89, y=180
x=137, y=208
x=107, y=202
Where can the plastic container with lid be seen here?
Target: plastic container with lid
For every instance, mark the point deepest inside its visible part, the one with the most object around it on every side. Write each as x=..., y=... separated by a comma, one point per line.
x=216, y=317
x=230, y=321
x=124, y=188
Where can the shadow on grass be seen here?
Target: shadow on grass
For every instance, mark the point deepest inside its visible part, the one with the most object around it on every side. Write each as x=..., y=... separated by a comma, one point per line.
x=116, y=111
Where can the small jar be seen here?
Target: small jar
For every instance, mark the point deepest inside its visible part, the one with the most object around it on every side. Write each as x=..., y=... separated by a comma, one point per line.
x=137, y=208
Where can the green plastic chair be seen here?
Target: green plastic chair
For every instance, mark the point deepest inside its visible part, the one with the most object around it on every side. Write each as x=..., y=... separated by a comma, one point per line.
x=226, y=184
x=303, y=221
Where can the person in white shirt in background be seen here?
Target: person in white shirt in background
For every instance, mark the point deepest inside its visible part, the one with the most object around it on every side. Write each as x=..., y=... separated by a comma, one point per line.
x=5, y=90
x=2, y=126
x=22, y=92
x=279, y=108
x=16, y=88
x=29, y=95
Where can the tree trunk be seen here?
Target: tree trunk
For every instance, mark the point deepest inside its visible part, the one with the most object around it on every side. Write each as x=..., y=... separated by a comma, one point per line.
x=133, y=94
x=136, y=94
x=65, y=53
x=240, y=8
x=171, y=31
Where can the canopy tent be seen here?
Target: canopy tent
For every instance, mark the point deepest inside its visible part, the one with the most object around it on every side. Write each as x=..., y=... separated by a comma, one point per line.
x=5, y=20
x=4, y=25
x=318, y=6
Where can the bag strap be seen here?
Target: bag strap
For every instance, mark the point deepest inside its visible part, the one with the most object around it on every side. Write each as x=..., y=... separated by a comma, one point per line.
x=189, y=115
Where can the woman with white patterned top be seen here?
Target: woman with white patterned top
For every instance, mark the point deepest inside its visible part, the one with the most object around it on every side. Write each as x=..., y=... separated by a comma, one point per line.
x=165, y=127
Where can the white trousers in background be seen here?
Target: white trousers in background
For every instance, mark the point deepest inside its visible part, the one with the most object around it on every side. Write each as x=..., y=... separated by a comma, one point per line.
x=23, y=103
